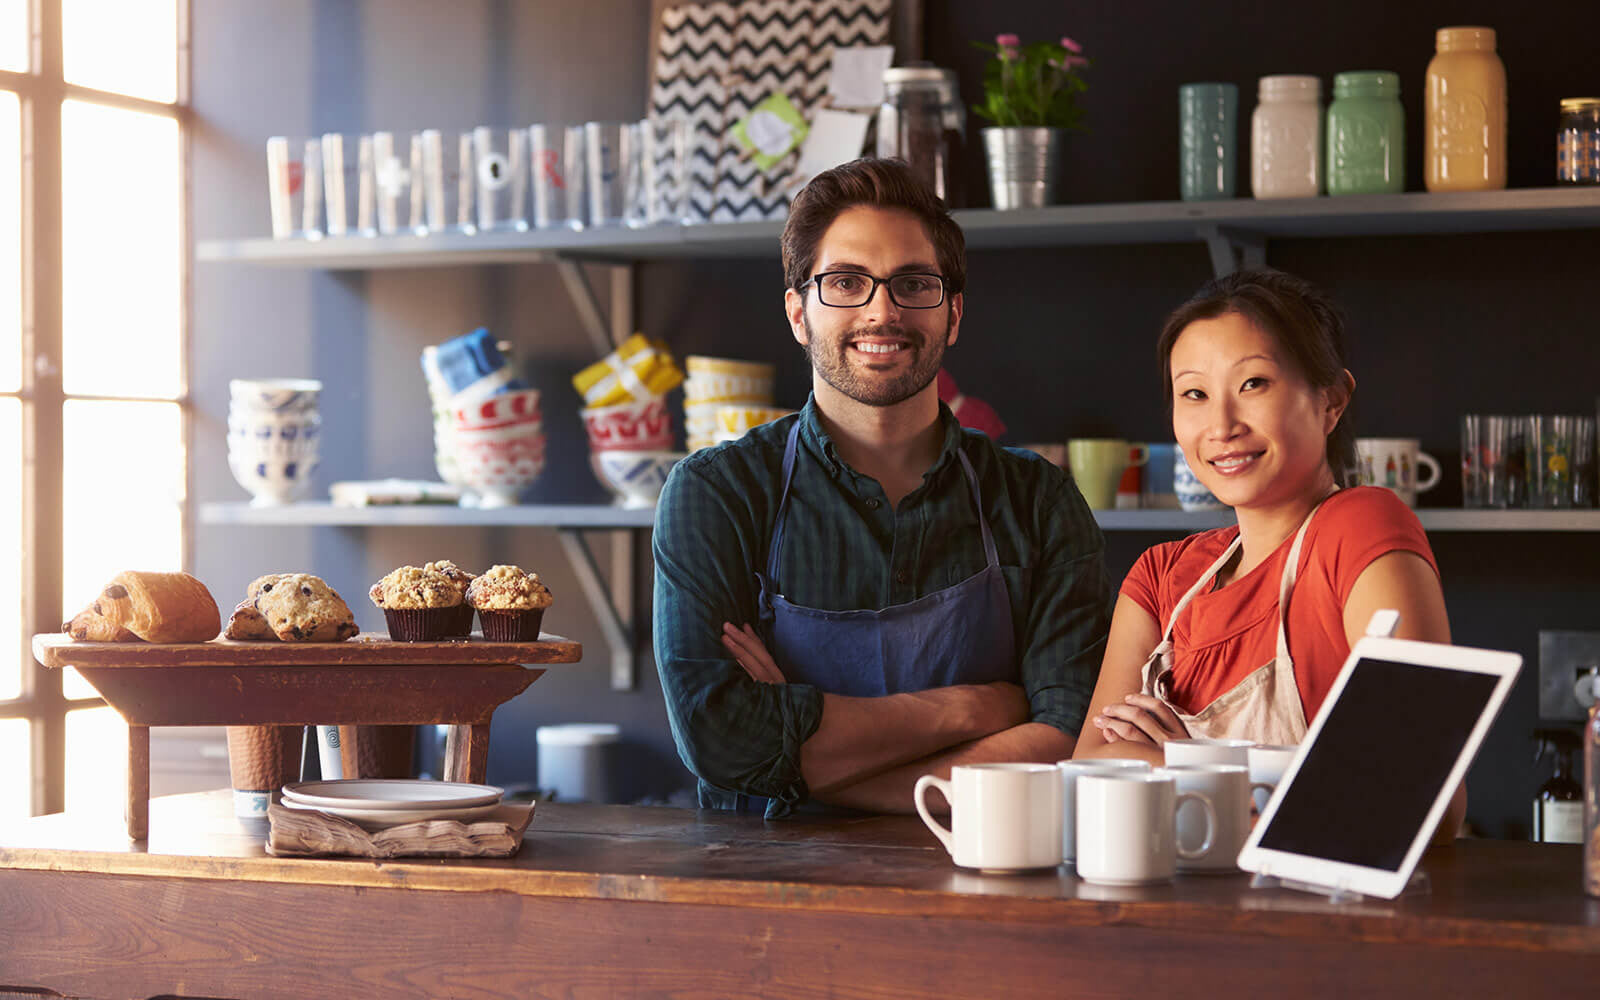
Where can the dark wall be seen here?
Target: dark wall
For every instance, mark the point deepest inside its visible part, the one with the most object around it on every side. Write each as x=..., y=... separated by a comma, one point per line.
x=1060, y=340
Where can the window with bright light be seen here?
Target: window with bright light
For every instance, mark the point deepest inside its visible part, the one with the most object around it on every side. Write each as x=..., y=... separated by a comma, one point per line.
x=108, y=379
x=14, y=35
x=124, y=46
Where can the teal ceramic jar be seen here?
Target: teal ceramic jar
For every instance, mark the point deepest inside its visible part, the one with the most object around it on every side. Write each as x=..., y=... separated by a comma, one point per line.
x=1366, y=150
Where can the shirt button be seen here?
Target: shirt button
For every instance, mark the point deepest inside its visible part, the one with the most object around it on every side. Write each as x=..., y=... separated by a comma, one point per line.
x=872, y=503
x=902, y=578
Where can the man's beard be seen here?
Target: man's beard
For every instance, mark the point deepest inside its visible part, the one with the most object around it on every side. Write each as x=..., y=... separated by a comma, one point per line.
x=831, y=361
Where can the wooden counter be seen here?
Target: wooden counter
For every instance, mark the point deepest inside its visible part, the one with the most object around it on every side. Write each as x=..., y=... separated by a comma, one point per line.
x=626, y=901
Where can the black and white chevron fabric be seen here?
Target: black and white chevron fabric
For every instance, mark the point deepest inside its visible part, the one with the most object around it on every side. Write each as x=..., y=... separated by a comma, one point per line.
x=716, y=61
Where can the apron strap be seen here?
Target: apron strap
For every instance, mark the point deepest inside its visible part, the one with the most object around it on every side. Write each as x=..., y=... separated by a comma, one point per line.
x=990, y=555
x=776, y=544
x=1286, y=584
x=1199, y=585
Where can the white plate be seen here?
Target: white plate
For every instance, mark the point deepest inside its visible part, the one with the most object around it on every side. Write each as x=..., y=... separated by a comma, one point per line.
x=377, y=819
x=392, y=793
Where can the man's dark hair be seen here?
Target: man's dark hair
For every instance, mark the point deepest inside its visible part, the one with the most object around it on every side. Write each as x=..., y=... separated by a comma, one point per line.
x=1296, y=314
x=869, y=181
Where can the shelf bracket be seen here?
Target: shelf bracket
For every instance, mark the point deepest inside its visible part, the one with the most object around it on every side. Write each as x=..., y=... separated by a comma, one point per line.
x=602, y=334
x=614, y=606
x=1232, y=249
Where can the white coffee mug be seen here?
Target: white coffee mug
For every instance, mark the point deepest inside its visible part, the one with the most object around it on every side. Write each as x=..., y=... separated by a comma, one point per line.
x=1201, y=751
x=1228, y=788
x=1003, y=817
x=1128, y=828
x=1396, y=463
x=1070, y=770
x=1267, y=764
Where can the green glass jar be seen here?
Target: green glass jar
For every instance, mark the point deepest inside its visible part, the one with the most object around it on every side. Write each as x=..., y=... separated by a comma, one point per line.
x=1366, y=141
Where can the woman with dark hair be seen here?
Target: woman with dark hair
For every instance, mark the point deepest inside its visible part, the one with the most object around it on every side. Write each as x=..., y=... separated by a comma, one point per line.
x=1240, y=632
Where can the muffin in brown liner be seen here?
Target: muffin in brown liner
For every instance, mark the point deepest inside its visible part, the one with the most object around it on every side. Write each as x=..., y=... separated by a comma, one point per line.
x=511, y=626
x=419, y=624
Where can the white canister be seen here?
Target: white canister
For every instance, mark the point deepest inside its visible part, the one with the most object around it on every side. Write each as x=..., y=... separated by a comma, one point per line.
x=573, y=760
x=1286, y=138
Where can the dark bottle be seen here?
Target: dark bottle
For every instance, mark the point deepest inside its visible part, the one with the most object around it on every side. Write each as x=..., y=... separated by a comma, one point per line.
x=1558, y=805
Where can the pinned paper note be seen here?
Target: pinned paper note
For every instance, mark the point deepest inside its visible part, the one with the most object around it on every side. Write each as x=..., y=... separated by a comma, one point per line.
x=836, y=137
x=856, y=77
x=772, y=128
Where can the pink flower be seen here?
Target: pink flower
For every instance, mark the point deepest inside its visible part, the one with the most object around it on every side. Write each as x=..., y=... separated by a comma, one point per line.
x=1072, y=62
x=1009, y=45
x=1070, y=45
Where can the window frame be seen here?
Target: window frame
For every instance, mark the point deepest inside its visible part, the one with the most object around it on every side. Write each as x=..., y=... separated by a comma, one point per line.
x=41, y=90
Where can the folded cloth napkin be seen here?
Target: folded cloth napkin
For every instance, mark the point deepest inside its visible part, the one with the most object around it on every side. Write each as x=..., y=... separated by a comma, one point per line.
x=969, y=411
x=464, y=360
x=299, y=832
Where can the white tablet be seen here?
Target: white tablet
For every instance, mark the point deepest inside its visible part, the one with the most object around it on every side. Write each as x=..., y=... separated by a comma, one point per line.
x=1357, y=805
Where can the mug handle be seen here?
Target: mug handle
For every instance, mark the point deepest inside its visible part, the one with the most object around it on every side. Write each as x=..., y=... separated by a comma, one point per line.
x=1211, y=823
x=1269, y=789
x=1423, y=458
x=1143, y=451
x=939, y=830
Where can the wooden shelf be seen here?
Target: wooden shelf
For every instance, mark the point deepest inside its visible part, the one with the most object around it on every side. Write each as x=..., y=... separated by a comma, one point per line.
x=1237, y=219
x=598, y=516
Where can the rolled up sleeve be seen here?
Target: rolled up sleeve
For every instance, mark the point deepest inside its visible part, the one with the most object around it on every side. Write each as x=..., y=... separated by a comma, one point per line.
x=1064, y=639
x=737, y=735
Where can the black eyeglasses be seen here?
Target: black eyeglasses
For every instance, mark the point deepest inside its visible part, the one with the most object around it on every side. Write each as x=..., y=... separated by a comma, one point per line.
x=853, y=289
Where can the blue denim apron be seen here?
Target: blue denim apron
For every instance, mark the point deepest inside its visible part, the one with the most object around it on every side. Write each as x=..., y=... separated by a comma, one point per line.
x=959, y=635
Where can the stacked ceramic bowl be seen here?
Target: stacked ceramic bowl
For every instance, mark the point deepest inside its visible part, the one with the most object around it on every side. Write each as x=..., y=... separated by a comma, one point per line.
x=734, y=419
x=630, y=448
x=273, y=437
x=499, y=446
x=464, y=375
x=719, y=382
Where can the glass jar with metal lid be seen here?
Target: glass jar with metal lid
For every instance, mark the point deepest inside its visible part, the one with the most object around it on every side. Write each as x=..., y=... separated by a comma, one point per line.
x=1578, y=141
x=923, y=122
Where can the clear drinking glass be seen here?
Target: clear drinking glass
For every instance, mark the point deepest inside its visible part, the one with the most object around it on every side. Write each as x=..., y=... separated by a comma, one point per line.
x=1585, y=463
x=614, y=171
x=558, y=171
x=666, y=170
x=1506, y=460
x=294, y=187
x=500, y=174
x=447, y=182
x=348, y=185
x=1550, y=460
x=1474, y=475
x=397, y=184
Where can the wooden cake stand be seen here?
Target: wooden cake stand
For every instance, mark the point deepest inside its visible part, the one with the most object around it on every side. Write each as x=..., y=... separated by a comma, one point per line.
x=367, y=680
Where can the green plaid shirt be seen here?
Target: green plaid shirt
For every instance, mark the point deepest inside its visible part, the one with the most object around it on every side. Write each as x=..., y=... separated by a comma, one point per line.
x=845, y=548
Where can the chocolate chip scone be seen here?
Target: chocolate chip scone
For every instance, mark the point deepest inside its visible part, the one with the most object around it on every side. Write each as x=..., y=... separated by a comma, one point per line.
x=246, y=623
x=299, y=607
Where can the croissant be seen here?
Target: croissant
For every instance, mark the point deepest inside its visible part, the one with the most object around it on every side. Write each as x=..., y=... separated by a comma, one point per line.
x=160, y=607
x=86, y=626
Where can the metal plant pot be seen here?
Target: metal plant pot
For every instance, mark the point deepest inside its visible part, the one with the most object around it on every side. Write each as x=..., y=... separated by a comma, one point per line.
x=1024, y=165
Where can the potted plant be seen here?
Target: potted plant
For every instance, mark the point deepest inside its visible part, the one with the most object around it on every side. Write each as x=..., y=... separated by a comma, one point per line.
x=1030, y=95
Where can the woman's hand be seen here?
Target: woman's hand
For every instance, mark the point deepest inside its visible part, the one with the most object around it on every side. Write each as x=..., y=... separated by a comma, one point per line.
x=1141, y=718
x=751, y=653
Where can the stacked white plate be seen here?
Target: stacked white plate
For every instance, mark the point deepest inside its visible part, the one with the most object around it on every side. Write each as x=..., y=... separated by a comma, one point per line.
x=376, y=803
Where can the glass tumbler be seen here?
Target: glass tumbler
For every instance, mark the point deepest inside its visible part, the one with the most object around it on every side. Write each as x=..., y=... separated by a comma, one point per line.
x=612, y=152
x=1474, y=455
x=500, y=174
x=1550, y=460
x=447, y=182
x=666, y=170
x=348, y=185
x=1505, y=442
x=1585, y=463
x=294, y=187
x=558, y=175
x=397, y=178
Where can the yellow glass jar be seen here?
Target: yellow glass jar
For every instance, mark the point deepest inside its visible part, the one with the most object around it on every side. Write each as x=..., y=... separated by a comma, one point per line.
x=1465, y=113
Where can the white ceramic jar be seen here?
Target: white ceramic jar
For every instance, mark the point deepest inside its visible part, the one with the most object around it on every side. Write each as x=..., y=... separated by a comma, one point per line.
x=1286, y=138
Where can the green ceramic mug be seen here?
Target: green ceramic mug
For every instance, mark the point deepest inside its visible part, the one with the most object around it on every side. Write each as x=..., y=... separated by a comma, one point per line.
x=1097, y=465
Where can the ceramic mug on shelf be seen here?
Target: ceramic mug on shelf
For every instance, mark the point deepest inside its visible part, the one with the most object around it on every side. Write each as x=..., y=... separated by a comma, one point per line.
x=1097, y=465
x=1395, y=463
x=1003, y=817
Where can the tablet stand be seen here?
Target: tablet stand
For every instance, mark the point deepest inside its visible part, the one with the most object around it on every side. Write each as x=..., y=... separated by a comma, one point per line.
x=1420, y=884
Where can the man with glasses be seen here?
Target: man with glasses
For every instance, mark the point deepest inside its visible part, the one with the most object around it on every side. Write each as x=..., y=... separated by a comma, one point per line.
x=863, y=593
